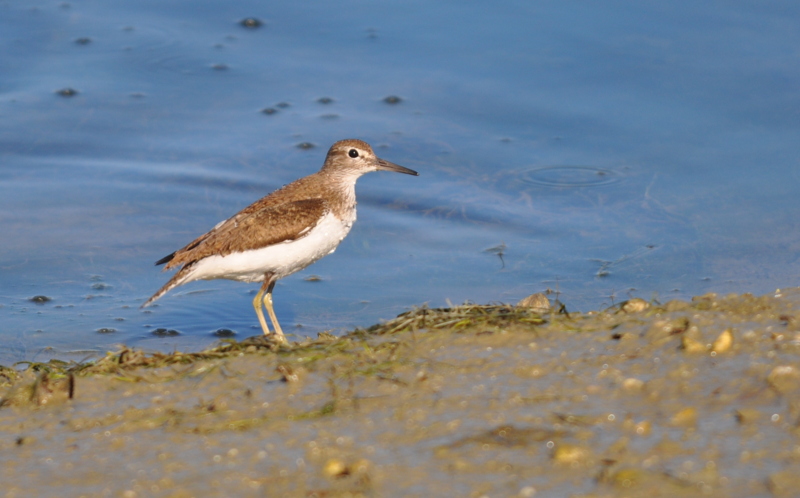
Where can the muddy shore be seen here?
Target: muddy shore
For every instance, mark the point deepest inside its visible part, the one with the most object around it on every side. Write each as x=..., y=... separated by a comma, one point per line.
x=697, y=398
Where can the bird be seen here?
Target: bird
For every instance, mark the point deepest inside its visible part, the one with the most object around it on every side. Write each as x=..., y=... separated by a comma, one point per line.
x=281, y=233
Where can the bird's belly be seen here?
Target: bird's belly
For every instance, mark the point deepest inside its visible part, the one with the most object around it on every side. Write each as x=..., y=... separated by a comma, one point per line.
x=281, y=259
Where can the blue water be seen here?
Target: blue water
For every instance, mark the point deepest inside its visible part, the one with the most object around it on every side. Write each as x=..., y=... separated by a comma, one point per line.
x=603, y=150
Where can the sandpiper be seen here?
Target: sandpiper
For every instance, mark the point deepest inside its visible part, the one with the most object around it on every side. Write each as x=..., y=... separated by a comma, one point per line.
x=283, y=232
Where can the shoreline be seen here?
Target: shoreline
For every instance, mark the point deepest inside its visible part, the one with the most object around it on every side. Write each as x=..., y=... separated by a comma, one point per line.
x=692, y=398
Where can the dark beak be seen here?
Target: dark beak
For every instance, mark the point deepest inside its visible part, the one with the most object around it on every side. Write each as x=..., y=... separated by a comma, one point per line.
x=384, y=165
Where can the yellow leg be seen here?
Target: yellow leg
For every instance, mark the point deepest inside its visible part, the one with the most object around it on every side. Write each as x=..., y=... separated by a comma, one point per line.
x=271, y=310
x=259, y=313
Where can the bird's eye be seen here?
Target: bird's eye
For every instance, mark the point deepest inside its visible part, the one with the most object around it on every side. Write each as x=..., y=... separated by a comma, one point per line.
x=353, y=153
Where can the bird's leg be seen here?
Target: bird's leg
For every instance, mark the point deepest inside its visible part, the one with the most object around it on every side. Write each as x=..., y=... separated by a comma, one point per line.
x=257, y=305
x=270, y=310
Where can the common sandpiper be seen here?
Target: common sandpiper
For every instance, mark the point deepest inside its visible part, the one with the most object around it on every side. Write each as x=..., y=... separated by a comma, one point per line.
x=281, y=233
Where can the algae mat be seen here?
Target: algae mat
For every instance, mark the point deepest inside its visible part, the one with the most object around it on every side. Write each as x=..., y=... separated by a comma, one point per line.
x=643, y=399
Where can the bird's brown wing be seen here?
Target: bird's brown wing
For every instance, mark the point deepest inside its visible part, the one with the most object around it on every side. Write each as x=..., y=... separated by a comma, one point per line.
x=252, y=229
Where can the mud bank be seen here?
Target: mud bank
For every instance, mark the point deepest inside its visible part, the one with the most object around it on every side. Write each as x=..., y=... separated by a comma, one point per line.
x=644, y=399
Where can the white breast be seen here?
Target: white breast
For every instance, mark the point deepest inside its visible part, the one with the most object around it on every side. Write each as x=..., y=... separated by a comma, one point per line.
x=280, y=259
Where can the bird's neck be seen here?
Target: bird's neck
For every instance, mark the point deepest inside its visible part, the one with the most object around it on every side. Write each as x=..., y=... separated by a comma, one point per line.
x=341, y=186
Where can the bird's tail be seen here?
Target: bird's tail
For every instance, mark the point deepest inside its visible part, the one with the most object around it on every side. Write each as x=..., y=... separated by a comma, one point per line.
x=179, y=278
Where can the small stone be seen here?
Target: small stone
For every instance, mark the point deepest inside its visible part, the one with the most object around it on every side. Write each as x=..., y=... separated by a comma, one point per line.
x=643, y=428
x=83, y=41
x=392, y=99
x=325, y=100
x=635, y=305
x=23, y=440
x=686, y=417
x=628, y=478
x=663, y=329
x=162, y=332
x=570, y=454
x=67, y=92
x=361, y=466
x=224, y=333
x=784, y=378
x=537, y=302
x=335, y=468
x=40, y=299
x=747, y=415
x=632, y=384
x=106, y=330
x=288, y=374
x=692, y=345
x=269, y=111
x=305, y=145
x=676, y=305
x=723, y=342
x=784, y=483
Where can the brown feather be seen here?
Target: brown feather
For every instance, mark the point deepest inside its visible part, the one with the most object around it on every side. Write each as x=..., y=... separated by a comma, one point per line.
x=256, y=229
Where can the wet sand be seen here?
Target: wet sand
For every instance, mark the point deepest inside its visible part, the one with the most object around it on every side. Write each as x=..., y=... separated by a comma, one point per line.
x=697, y=398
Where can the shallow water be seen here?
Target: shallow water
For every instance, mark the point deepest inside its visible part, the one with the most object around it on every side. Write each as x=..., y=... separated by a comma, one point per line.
x=601, y=151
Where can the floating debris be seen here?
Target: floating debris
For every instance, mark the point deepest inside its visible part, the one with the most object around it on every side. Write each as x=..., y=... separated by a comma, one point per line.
x=251, y=23
x=500, y=251
x=67, y=92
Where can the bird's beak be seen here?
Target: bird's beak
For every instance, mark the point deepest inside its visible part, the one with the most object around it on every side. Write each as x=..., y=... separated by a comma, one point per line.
x=387, y=166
